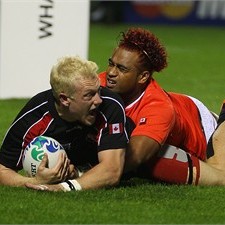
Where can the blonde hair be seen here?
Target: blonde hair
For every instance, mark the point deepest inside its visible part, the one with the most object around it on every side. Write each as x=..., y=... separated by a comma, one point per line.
x=69, y=70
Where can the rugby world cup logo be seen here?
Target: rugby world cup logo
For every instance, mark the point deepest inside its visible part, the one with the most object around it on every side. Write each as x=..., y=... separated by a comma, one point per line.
x=40, y=144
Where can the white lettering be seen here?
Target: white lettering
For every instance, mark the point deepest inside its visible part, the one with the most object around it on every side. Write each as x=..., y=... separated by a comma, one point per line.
x=170, y=152
x=211, y=9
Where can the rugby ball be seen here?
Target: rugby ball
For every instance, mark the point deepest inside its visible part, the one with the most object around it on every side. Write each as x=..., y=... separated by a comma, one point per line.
x=35, y=150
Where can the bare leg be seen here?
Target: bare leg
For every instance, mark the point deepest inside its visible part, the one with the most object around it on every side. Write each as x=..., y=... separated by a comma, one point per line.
x=218, y=142
x=210, y=176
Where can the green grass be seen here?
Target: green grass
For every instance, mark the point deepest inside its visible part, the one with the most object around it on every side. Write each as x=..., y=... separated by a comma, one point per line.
x=142, y=204
x=196, y=67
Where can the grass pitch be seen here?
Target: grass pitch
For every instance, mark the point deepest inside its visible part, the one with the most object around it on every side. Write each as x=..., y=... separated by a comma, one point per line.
x=140, y=203
x=196, y=67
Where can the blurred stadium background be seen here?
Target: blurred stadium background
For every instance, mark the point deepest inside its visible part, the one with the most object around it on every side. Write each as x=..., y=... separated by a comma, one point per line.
x=207, y=12
x=35, y=33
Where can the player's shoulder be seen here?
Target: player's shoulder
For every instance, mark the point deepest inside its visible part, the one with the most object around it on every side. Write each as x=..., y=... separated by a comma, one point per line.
x=43, y=95
x=155, y=91
x=112, y=103
x=108, y=95
x=40, y=99
x=156, y=96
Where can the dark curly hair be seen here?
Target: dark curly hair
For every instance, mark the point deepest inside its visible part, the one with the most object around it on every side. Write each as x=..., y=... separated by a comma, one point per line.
x=153, y=54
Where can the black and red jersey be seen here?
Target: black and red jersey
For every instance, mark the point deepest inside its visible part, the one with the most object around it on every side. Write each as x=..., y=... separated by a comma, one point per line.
x=39, y=117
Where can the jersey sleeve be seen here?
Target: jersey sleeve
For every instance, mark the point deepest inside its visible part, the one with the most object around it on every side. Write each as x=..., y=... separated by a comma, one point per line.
x=11, y=148
x=155, y=120
x=113, y=133
x=17, y=136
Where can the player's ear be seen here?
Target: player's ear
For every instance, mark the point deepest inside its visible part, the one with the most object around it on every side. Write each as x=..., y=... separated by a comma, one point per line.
x=144, y=77
x=64, y=100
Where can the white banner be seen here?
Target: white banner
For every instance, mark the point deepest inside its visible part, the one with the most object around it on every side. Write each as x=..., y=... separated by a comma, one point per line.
x=33, y=35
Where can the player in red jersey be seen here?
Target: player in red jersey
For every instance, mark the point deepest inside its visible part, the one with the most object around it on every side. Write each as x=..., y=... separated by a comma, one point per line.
x=162, y=118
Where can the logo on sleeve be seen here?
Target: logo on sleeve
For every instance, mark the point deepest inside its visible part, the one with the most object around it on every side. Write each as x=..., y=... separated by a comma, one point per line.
x=115, y=128
x=142, y=121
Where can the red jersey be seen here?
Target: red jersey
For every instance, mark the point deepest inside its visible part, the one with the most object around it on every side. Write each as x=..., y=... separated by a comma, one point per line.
x=167, y=118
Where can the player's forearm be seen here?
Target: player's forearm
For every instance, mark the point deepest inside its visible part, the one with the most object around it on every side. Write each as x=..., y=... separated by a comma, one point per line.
x=133, y=159
x=139, y=150
x=130, y=164
x=107, y=173
x=12, y=178
x=100, y=176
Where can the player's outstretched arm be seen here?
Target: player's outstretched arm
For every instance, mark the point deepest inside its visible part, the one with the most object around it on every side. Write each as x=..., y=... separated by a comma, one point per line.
x=10, y=177
x=105, y=174
x=44, y=175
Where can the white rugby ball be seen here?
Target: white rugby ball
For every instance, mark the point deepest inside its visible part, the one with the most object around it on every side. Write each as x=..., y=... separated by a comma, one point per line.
x=35, y=150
